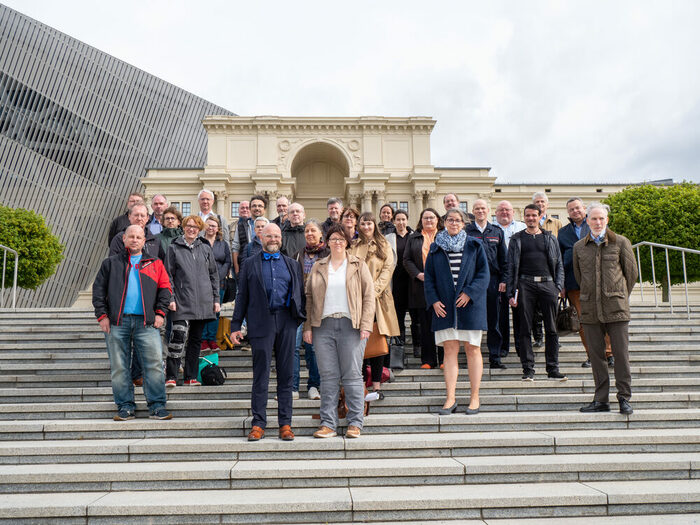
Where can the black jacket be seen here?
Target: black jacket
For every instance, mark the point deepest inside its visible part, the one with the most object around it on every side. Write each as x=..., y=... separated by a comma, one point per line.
x=567, y=238
x=110, y=286
x=495, y=246
x=327, y=224
x=153, y=246
x=413, y=264
x=119, y=224
x=292, y=239
x=555, y=268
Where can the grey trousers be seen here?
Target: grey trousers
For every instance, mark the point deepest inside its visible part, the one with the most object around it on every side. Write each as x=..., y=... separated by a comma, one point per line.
x=619, y=341
x=339, y=353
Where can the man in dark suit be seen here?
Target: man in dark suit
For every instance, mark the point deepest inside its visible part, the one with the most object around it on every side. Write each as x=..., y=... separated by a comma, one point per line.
x=270, y=295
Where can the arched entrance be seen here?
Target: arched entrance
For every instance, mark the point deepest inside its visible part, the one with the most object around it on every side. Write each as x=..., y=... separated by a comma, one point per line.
x=319, y=170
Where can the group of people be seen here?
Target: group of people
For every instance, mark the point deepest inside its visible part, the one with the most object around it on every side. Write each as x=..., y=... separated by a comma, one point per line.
x=328, y=287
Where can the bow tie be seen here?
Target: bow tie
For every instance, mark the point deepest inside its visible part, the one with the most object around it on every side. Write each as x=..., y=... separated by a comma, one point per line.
x=268, y=256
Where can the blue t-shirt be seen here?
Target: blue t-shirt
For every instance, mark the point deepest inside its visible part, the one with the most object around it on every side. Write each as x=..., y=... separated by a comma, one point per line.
x=133, y=304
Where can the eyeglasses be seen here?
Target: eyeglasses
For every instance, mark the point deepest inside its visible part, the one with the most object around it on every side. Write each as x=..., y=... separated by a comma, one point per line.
x=191, y=227
x=429, y=218
x=336, y=240
x=454, y=221
x=166, y=219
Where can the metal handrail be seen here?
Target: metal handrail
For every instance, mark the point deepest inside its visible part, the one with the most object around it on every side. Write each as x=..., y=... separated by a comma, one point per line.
x=5, y=249
x=666, y=248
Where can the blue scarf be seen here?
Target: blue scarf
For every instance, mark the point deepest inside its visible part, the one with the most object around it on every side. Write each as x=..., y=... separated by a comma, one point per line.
x=451, y=243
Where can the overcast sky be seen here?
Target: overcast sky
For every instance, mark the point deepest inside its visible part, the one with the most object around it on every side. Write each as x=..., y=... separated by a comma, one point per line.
x=546, y=91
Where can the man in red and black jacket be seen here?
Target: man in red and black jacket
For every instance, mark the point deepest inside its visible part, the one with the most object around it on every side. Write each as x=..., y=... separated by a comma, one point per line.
x=131, y=294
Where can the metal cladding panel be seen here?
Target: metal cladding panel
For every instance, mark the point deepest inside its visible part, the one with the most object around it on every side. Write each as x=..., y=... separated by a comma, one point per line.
x=78, y=127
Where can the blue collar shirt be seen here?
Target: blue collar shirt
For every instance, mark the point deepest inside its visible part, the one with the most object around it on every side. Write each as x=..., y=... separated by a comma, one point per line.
x=508, y=231
x=600, y=238
x=278, y=282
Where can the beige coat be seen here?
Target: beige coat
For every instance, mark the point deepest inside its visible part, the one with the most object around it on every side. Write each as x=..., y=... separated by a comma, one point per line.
x=358, y=285
x=381, y=272
x=606, y=274
x=552, y=225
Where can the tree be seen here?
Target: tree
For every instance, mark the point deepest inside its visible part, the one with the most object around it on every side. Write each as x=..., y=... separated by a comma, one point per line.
x=39, y=250
x=665, y=215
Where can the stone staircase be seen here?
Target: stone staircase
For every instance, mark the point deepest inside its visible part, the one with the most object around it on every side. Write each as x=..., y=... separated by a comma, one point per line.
x=529, y=457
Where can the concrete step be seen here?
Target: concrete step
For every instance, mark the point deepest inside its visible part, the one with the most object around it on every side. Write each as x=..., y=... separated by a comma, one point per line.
x=404, y=445
x=48, y=408
x=322, y=473
x=374, y=424
x=362, y=503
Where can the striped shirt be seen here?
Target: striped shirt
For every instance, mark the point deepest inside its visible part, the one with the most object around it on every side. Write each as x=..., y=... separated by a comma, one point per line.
x=455, y=262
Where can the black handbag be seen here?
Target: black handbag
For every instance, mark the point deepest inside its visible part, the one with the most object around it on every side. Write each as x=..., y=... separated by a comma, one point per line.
x=567, y=318
x=212, y=374
x=397, y=354
x=229, y=289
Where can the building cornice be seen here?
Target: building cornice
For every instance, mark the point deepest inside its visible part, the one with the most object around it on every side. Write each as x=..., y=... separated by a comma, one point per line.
x=266, y=124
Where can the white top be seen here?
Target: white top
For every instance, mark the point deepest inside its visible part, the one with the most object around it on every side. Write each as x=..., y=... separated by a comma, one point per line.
x=336, y=300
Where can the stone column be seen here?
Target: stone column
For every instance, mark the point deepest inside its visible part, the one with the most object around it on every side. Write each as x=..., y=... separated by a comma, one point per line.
x=432, y=199
x=366, y=201
x=221, y=202
x=417, y=203
x=381, y=201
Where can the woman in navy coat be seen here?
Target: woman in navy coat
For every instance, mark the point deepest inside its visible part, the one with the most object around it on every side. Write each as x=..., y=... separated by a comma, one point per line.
x=456, y=279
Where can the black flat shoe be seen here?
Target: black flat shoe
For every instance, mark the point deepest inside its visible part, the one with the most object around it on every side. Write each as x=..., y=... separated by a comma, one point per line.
x=625, y=407
x=595, y=406
x=449, y=410
x=472, y=411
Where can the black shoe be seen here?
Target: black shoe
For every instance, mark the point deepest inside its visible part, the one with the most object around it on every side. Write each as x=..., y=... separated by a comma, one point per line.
x=557, y=375
x=595, y=406
x=416, y=351
x=124, y=415
x=528, y=375
x=625, y=407
x=497, y=366
x=449, y=410
x=472, y=411
x=586, y=364
x=504, y=353
x=611, y=363
x=538, y=343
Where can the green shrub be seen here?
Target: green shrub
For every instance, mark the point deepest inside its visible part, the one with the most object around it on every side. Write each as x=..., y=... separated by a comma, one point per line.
x=39, y=250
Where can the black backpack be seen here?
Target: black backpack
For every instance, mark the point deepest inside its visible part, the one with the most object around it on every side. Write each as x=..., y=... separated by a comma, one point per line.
x=212, y=374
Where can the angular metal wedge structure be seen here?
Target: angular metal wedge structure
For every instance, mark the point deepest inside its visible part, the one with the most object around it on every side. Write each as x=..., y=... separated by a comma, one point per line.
x=78, y=127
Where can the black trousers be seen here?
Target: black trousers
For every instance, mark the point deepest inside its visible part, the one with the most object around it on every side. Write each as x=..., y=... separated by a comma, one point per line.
x=279, y=340
x=192, y=348
x=504, y=325
x=429, y=353
x=493, y=335
x=544, y=295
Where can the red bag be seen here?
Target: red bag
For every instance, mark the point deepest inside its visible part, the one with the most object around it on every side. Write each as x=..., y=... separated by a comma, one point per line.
x=386, y=375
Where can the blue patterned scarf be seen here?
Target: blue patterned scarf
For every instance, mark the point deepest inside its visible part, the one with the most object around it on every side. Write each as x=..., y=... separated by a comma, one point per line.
x=451, y=243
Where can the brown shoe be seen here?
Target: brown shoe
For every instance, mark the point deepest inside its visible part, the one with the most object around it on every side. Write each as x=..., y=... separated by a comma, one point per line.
x=256, y=434
x=138, y=381
x=325, y=432
x=352, y=432
x=286, y=433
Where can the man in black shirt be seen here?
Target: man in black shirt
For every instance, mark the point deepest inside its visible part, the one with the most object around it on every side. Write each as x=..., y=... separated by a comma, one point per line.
x=491, y=237
x=535, y=271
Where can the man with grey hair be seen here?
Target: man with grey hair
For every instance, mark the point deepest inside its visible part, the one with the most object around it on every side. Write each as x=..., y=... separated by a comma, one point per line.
x=206, y=201
x=550, y=224
x=119, y=224
x=282, y=205
x=451, y=200
x=335, y=210
x=245, y=231
x=569, y=235
x=293, y=231
x=606, y=270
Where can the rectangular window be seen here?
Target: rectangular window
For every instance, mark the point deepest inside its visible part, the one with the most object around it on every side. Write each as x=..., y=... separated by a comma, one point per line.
x=403, y=205
x=464, y=206
x=175, y=205
x=186, y=209
x=554, y=216
x=234, y=209
x=394, y=205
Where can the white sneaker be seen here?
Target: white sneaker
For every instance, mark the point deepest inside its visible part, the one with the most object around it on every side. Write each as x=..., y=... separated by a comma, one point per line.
x=295, y=395
x=314, y=393
x=372, y=396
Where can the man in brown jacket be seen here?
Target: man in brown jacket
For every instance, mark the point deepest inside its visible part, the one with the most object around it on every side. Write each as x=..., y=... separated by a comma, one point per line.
x=606, y=271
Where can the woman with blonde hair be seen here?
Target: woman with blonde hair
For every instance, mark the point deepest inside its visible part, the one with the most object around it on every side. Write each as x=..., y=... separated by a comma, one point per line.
x=371, y=247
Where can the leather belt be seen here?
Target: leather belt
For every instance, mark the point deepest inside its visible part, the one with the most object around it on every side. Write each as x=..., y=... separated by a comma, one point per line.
x=335, y=316
x=536, y=278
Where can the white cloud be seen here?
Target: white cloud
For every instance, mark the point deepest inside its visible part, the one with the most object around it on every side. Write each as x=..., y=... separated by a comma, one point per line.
x=540, y=91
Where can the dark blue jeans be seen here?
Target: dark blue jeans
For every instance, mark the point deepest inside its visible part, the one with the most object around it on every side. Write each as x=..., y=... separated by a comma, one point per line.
x=147, y=349
x=310, y=358
x=210, y=329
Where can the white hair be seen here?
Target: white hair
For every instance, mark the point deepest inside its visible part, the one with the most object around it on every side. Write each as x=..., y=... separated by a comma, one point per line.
x=261, y=219
x=205, y=191
x=540, y=195
x=598, y=206
x=297, y=204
